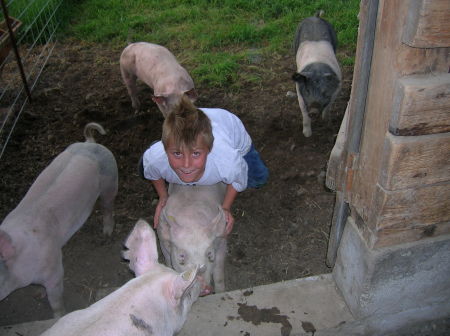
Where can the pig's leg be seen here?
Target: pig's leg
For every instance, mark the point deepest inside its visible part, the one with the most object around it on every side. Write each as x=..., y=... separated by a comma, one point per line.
x=107, y=197
x=130, y=82
x=54, y=286
x=219, y=266
x=305, y=116
x=326, y=110
x=325, y=114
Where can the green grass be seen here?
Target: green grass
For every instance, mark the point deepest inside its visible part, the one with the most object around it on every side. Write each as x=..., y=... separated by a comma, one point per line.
x=211, y=38
x=35, y=16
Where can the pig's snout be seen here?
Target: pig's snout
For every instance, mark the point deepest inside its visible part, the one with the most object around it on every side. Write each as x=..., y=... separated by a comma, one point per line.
x=315, y=108
x=206, y=289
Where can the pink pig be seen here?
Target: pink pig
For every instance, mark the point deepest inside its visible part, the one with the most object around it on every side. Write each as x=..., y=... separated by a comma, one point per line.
x=155, y=303
x=191, y=231
x=157, y=67
x=54, y=208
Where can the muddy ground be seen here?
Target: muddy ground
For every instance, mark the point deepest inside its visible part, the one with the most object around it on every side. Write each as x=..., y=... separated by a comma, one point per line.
x=281, y=230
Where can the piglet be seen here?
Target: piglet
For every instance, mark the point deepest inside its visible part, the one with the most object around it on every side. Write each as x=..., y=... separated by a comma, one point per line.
x=318, y=76
x=157, y=67
x=155, y=303
x=54, y=208
x=191, y=231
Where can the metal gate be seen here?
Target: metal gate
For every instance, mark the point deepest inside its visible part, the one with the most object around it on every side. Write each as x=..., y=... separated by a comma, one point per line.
x=27, y=40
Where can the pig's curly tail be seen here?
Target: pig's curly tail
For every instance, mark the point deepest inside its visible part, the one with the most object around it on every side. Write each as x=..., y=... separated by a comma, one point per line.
x=88, y=134
x=320, y=13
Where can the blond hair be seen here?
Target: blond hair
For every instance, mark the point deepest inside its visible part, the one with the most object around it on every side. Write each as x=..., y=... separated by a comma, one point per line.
x=184, y=124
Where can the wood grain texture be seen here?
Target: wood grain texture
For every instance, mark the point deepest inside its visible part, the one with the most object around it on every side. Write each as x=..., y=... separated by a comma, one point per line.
x=421, y=105
x=410, y=162
x=416, y=206
x=427, y=24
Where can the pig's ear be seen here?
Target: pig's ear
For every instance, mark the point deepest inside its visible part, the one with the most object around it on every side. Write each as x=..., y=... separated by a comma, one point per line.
x=164, y=226
x=306, y=74
x=298, y=77
x=192, y=94
x=7, y=249
x=160, y=100
x=183, y=284
x=142, y=251
x=219, y=221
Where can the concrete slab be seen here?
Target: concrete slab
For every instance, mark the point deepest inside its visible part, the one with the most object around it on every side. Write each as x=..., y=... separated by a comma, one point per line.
x=284, y=308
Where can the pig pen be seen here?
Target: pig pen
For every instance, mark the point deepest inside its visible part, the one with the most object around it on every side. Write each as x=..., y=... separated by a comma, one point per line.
x=281, y=230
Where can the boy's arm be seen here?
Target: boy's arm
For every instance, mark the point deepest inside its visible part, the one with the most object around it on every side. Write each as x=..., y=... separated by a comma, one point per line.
x=160, y=187
x=230, y=196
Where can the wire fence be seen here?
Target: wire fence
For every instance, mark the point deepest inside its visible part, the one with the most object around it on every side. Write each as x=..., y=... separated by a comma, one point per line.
x=27, y=40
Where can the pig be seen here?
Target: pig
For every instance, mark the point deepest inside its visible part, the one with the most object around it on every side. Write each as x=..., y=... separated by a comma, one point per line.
x=318, y=76
x=191, y=231
x=156, y=302
x=54, y=208
x=157, y=67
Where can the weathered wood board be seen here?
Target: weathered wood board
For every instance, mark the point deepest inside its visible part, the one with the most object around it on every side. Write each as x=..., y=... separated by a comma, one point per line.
x=401, y=176
x=427, y=24
x=415, y=161
x=410, y=214
x=421, y=105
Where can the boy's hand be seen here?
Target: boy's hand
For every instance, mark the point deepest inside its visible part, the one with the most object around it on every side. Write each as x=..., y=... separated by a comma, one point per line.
x=229, y=220
x=161, y=204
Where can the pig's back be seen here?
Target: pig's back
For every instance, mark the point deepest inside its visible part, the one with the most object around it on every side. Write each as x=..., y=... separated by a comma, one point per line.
x=98, y=153
x=187, y=194
x=150, y=62
x=315, y=29
x=311, y=52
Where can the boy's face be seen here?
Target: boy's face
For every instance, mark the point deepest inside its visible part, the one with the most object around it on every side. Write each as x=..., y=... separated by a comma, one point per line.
x=188, y=163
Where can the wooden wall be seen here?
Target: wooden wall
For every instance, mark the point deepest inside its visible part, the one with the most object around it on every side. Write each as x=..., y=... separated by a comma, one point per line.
x=401, y=182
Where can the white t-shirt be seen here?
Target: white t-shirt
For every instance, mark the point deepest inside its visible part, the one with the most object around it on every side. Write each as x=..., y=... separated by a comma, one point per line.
x=225, y=163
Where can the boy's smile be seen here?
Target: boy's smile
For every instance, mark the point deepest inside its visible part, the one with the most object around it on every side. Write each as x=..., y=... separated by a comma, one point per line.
x=188, y=163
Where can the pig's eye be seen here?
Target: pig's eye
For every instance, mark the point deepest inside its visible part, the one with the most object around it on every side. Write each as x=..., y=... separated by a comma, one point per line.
x=210, y=255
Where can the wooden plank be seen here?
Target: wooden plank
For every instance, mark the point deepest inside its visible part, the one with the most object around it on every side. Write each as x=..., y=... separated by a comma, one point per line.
x=410, y=61
x=392, y=60
x=427, y=24
x=383, y=75
x=421, y=105
x=391, y=237
x=410, y=162
x=409, y=208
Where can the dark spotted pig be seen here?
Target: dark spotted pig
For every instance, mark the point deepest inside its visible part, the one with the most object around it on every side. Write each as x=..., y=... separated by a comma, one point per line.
x=318, y=76
x=54, y=208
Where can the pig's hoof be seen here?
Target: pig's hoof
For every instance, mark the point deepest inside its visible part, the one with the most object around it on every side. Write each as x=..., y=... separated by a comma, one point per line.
x=291, y=94
x=307, y=133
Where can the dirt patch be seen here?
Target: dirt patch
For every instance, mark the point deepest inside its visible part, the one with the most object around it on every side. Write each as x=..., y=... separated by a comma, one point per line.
x=281, y=230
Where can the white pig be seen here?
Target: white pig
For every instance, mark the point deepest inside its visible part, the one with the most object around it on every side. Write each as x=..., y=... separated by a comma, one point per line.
x=318, y=76
x=191, y=231
x=157, y=67
x=155, y=303
x=54, y=208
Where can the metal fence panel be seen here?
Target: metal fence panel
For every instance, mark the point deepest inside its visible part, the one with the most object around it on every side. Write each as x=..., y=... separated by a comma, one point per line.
x=32, y=24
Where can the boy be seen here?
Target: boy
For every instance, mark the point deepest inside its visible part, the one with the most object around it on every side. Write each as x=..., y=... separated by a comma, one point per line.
x=203, y=146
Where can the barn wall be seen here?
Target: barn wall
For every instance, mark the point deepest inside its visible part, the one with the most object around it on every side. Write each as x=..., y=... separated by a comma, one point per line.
x=401, y=187
x=393, y=263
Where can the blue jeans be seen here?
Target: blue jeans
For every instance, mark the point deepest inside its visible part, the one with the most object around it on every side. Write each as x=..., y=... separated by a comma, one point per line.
x=257, y=170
